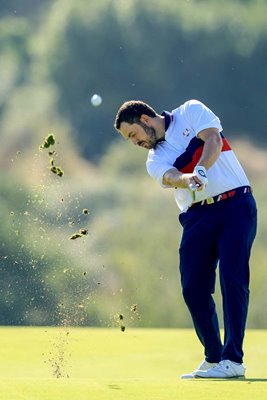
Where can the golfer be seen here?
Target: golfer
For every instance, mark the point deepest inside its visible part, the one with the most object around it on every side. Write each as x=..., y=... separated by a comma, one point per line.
x=189, y=153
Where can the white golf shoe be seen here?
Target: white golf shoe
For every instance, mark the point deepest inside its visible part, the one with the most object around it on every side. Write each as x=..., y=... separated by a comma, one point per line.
x=204, y=366
x=225, y=369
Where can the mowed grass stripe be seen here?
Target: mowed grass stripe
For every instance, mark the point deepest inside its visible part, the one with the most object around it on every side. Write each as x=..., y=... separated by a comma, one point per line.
x=87, y=364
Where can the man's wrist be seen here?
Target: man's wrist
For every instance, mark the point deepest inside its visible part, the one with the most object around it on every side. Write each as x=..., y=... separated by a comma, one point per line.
x=200, y=170
x=201, y=173
x=173, y=177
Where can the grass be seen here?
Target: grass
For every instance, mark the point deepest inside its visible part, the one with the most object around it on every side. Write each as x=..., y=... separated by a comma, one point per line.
x=106, y=364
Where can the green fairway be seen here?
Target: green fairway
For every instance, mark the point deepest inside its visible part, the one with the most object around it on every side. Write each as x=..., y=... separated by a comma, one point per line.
x=87, y=364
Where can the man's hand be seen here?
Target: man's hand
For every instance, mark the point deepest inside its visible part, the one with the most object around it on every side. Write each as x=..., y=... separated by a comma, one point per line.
x=202, y=180
x=195, y=183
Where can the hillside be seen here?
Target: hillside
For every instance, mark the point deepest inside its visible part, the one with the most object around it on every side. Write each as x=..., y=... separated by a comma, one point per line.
x=132, y=241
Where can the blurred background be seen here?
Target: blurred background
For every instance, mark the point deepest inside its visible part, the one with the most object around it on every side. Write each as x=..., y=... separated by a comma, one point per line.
x=54, y=55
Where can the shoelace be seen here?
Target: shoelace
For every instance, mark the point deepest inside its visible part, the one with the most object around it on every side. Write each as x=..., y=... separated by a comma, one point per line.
x=221, y=364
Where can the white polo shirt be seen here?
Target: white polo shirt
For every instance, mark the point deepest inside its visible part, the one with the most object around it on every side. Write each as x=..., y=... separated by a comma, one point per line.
x=182, y=149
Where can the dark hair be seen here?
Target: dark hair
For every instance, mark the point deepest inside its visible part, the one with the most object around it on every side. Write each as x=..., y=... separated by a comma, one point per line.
x=131, y=111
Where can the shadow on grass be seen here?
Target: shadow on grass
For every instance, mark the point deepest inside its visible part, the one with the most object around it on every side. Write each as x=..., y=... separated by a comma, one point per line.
x=116, y=387
x=247, y=380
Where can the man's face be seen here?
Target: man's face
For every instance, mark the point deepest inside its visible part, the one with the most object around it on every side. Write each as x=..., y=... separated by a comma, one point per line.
x=140, y=134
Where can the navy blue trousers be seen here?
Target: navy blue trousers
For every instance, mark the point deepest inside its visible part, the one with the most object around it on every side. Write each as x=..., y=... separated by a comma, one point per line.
x=222, y=233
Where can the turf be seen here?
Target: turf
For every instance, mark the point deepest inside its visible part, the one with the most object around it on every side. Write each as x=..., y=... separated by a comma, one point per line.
x=105, y=364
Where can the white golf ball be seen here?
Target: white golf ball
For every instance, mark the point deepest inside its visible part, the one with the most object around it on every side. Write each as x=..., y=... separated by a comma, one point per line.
x=96, y=100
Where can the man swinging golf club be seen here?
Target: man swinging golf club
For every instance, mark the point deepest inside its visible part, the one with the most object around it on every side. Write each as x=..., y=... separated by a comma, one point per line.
x=189, y=153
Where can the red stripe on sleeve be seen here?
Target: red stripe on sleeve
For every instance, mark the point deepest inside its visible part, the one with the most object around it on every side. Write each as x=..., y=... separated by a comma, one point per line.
x=226, y=145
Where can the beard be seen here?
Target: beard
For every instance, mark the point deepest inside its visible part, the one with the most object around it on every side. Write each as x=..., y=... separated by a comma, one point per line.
x=151, y=141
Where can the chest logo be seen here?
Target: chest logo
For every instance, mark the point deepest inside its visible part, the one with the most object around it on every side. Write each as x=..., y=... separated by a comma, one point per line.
x=186, y=132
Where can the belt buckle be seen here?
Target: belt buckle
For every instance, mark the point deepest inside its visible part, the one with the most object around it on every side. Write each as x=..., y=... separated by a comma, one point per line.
x=210, y=200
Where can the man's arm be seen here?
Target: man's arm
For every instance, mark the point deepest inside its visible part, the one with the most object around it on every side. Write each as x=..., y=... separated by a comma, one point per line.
x=175, y=178
x=212, y=147
x=211, y=151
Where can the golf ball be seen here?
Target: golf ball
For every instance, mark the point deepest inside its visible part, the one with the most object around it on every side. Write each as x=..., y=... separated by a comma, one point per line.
x=96, y=100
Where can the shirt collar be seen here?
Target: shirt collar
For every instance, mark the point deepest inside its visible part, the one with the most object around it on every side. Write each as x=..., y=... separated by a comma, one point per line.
x=168, y=119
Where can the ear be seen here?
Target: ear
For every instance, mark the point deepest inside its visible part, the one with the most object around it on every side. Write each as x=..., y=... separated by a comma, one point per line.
x=145, y=119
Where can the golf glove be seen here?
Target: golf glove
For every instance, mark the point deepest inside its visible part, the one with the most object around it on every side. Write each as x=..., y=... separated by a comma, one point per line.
x=201, y=174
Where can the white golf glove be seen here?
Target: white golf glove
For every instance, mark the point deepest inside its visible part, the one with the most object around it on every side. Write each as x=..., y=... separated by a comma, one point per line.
x=201, y=174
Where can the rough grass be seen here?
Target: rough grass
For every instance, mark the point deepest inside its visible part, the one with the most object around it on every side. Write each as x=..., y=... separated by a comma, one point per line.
x=105, y=364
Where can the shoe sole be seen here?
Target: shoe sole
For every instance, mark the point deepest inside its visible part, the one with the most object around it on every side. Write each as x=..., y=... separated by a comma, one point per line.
x=189, y=376
x=219, y=377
